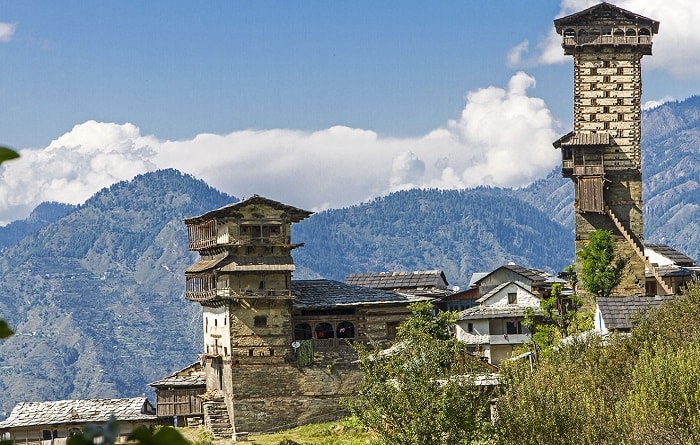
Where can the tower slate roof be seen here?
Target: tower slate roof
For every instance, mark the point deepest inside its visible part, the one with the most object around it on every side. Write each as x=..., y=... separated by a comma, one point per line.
x=295, y=214
x=604, y=9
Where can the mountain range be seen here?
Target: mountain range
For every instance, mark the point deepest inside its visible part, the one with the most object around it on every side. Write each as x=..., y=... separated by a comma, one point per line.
x=95, y=291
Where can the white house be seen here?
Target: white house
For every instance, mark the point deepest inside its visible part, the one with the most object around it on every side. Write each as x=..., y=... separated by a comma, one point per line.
x=493, y=329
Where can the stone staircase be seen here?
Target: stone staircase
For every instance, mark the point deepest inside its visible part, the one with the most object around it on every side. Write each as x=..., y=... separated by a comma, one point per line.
x=639, y=249
x=216, y=418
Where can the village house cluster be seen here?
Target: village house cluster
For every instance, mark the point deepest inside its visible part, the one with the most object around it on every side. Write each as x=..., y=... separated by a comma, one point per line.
x=278, y=352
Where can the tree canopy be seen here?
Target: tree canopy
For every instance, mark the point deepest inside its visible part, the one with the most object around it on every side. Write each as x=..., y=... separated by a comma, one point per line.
x=638, y=389
x=601, y=271
x=422, y=389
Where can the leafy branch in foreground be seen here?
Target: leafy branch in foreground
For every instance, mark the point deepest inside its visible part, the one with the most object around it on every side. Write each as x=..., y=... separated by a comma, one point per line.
x=108, y=434
x=6, y=154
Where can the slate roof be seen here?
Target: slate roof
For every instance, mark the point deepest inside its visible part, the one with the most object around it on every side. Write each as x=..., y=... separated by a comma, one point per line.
x=30, y=414
x=329, y=293
x=618, y=312
x=505, y=311
x=583, y=138
x=294, y=213
x=192, y=375
x=399, y=280
x=672, y=271
x=536, y=276
x=672, y=254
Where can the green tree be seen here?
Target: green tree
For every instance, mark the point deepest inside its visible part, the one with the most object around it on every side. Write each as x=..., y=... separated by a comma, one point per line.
x=558, y=317
x=640, y=389
x=6, y=154
x=421, y=390
x=600, y=270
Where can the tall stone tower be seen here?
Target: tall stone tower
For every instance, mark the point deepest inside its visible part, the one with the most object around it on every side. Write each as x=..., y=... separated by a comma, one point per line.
x=243, y=282
x=602, y=155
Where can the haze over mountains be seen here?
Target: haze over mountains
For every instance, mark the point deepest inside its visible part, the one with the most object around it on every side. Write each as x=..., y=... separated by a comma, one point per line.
x=95, y=291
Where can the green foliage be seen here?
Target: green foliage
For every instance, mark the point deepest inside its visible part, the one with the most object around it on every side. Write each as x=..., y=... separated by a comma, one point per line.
x=108, y=434
x=305, y=354
x=600, y=271
x=637, y=389
x=205, y=437
x=560, y=315
x=424, y=324
x=7, y=154
x=421, y=390
x=5, y=330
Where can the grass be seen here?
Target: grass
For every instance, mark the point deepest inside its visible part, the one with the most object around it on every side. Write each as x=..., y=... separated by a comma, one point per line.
x=342, y=432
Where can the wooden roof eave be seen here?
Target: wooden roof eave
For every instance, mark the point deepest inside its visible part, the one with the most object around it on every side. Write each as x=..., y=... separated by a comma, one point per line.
x=574, y=19
x=295, y=214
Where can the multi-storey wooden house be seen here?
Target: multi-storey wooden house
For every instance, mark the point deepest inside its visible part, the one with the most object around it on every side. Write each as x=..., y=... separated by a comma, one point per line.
x=276, y=352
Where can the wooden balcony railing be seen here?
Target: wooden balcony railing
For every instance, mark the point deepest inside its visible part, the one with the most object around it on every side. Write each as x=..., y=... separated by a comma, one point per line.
x=228, y=293
x=607, y=40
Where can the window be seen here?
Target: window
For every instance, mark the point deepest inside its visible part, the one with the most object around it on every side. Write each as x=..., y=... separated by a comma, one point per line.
x=260, y=321
x=302, y=331
x=512, y=298
x=514, y=327
x=391, y=327
x=324, y=330
x=470, y=327
x=345, y=330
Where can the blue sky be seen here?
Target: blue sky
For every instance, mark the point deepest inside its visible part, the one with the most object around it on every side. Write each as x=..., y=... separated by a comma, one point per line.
x=344, y=100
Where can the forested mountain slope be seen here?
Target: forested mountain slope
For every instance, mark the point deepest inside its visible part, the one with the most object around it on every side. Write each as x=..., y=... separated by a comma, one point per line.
x=96, y=297
x=460, y=232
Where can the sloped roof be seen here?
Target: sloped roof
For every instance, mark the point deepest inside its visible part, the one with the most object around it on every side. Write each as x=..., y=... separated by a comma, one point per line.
x=328, y=293
x=535, y=276
x=672, y=254
x=672, y=271
x=192, y=375
x=618, y=312
x=505, y=311
x=583, y=138
x=28, y=414
x=204, y=265
x=295, y=214
x=399, y=280
x=604, y=10
x=240, y=264
x=499, y=288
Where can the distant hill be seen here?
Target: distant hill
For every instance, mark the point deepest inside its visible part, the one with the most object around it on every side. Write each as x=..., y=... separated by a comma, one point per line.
x=43, y=215
x=96, y=297
x=459, y=232
x=95, y=291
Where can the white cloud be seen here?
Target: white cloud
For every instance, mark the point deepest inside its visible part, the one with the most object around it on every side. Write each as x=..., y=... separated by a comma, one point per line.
x=7, y=30
x=516, y=55
x=502, y=138
x=648, y=105
x=675, y=47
